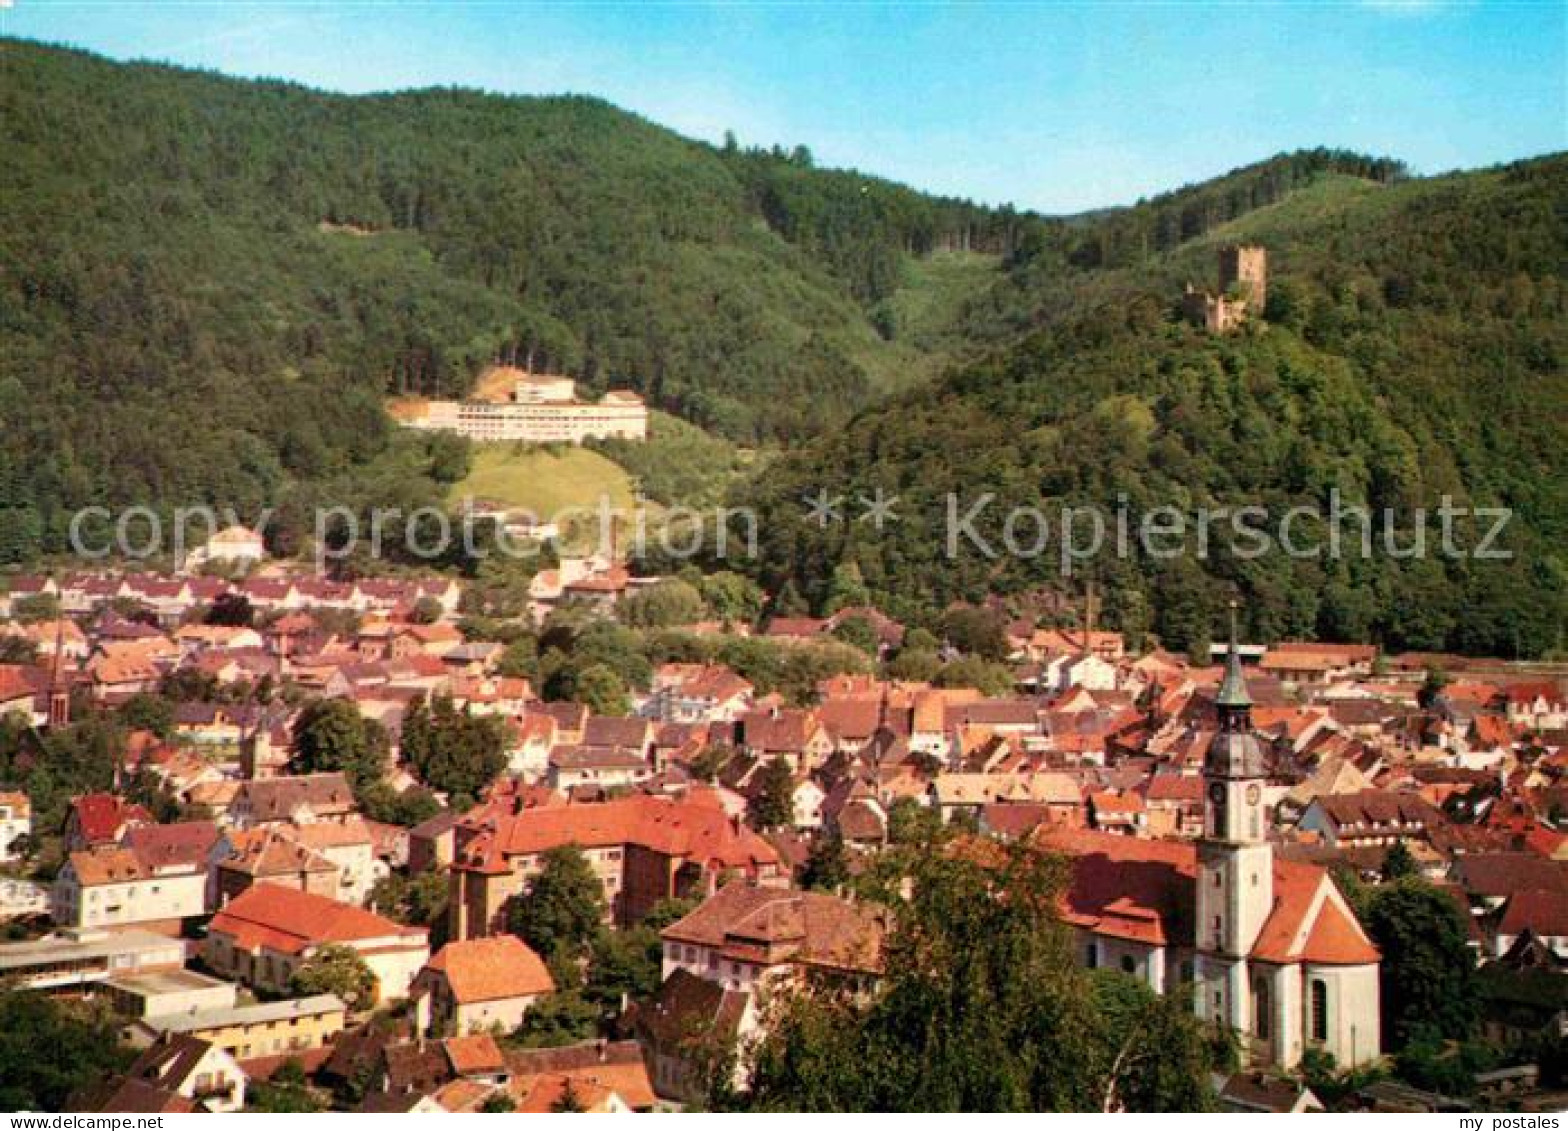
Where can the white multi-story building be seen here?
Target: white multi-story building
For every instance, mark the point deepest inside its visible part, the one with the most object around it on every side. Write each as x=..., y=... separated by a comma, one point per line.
x=543, y=410
x=114, y=887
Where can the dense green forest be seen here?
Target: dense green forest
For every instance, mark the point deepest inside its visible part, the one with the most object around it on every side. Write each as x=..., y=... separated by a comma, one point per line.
x=1414, y=348
x=208, y=285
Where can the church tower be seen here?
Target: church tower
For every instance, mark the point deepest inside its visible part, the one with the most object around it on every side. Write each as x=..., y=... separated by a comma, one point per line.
x=1235, y=860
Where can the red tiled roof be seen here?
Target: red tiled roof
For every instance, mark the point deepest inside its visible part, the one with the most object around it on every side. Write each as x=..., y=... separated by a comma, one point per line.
x=491, y=969
x=1337, y=940
x=673, y=828
x=291, y=921
x=1146, y=890
x=478, y=1053
x=101, y=816
x=799, y=926
x=1543, y=912
x=161, y=846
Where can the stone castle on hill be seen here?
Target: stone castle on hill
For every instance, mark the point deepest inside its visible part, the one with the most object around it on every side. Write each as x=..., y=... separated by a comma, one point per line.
x=1242, y=291
x=541, y=409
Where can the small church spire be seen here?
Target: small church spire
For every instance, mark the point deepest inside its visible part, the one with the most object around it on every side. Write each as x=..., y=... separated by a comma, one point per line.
x=1233, y=689
x=59, y=690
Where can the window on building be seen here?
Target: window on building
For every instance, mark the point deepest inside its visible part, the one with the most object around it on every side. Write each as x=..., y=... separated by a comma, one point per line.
x=1128, y=965
x=1092, y=956
x=1319, y=1010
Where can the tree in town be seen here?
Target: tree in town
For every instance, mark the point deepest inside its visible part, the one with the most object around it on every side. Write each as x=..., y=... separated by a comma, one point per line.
x=917, y=665
x=452, y=750
x=419, y=900
x=1399, y=863
x=1432, y=686
x=788, y=602
x=629, y=963
x=981, y=1007
x=565, y=1017
x=663, y=604
x=286, y=1091
x=772, y=806
x=330, y=735
x=847, y=588
x=857, y=632
x=145, y=711
x=568, y=1101
x=51, y=1048
x=1428, y=974
x=601, y=690
x=971, y=671
x=731, y=597
x=336, y=969
x=827, y=865
x=562, y=909
x=710, y=760
x=232, y=610
x=976, y=631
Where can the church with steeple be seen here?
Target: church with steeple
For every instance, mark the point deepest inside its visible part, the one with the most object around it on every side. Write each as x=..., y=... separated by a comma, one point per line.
x=1268, y=947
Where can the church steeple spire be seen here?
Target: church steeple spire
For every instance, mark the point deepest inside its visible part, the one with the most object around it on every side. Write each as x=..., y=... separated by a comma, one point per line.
x=1233, y=689
x=1235, y=751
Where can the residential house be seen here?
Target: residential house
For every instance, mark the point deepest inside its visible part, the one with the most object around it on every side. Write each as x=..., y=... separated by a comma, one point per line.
x=1173, y=805
x=269, y=931
x=474, y=985
x=1539, y=705
x=1372, y=817
x=115, y=887
x=797, y=736
x=98, y=819
x=742, y=943
x=531, y=738
x=162, y=993
x=269, y=854
x=746, y=935
x=347, y=843
x=299, y=800
x=691, y=693
x=602, y=767
x=603, y=1076
x=188, y=1066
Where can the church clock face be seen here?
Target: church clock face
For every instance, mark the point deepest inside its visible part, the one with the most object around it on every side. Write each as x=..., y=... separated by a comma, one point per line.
x=1253, y=793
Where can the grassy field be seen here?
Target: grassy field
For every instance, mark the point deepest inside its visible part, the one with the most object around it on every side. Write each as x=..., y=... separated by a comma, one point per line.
x=543, y=480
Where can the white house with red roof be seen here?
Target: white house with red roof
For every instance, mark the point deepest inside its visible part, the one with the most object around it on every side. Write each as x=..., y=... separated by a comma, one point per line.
x=268, y=931
x=474, y=985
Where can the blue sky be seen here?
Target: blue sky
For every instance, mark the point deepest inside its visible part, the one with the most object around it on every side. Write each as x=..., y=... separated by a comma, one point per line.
x=1055, y=106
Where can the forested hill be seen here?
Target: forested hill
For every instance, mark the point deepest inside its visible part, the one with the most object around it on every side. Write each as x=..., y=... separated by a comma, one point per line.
x=209, y=284
x=1414, y=347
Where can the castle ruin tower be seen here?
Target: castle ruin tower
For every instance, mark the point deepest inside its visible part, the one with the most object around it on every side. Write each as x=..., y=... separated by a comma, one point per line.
x=1246, y=267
